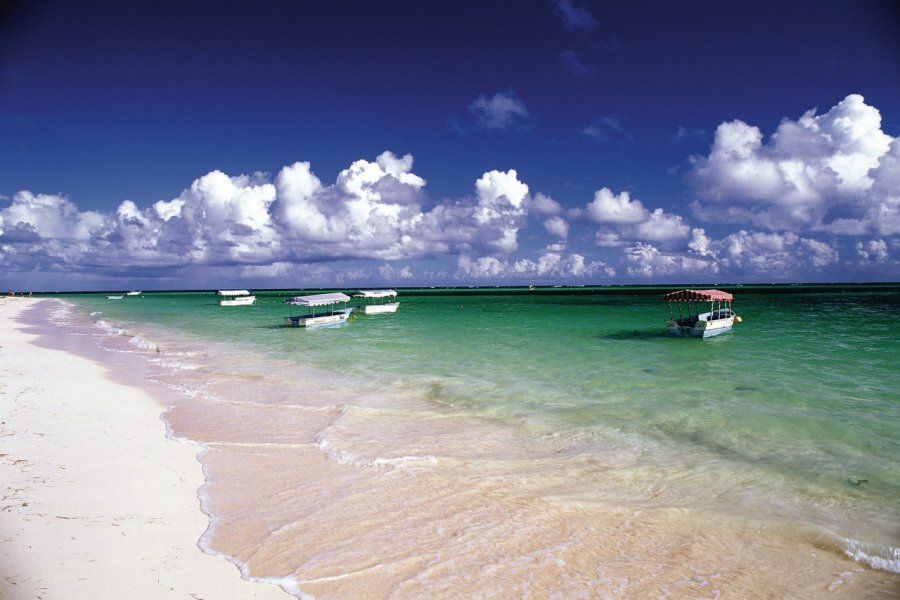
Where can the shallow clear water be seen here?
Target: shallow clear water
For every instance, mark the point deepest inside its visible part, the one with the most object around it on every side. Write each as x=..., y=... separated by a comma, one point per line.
x=581, y=400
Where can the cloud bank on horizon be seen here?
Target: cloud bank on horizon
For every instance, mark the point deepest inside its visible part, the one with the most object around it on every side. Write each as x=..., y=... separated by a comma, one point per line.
x=821, y=194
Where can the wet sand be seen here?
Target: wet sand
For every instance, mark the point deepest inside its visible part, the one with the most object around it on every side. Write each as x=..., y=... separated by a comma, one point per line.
x=96, y=501
x=337, y=500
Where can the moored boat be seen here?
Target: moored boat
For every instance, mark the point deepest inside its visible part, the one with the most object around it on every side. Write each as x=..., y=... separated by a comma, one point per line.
x=717, y=320
x=236, y=297
x=376, y=301
x=320, y=309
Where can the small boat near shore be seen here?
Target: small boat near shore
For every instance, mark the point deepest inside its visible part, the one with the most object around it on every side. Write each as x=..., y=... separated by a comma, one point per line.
x=236, y=297
x=376, y=301
x=320, y=310
x=717, y=320
x=116, y=297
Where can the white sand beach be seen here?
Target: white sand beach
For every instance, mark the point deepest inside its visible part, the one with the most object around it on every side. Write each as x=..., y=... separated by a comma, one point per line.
x=96, y=501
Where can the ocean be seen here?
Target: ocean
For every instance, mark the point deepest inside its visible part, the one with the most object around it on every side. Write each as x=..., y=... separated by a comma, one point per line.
x=548, y=443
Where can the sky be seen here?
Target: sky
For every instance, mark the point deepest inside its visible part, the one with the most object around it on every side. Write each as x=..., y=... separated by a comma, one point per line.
x=350, y=143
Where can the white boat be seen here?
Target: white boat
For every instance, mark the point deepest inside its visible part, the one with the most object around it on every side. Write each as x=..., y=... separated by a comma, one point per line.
x=133, y=293
x=320, y=310
x=236, y=297
x=717, y=320
x=376, y=301
x=117, y=297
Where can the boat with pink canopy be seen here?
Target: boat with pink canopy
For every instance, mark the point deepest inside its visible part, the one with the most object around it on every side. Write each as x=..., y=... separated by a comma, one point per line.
x=690, y=321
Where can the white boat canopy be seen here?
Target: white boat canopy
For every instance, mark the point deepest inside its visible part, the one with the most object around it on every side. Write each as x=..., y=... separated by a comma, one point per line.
x=318, y=299
x=234, y=292
x=375, y=294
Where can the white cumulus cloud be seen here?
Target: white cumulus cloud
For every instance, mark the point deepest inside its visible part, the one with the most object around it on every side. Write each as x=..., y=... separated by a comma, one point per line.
x=545, y=205
x=557, y=226
x=872, y=251
x=554, y=264
x=50, y=216
x=618, y=209
x=819, y=172
x=483, y=267
x=646, y=261
x=627, y=220
x=374, y=210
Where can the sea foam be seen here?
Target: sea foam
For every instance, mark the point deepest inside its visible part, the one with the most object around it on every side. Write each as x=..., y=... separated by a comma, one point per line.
x=877, y=556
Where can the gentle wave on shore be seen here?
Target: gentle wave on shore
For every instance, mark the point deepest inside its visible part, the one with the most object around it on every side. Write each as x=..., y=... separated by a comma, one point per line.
x=552, y=445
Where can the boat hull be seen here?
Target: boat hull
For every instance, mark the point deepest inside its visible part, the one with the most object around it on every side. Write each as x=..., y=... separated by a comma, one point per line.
x=238, y=301
x=702, y=329
x=321, y=320
x=374, y=309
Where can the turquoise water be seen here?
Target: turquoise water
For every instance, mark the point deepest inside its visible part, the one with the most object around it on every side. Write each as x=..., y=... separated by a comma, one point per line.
x=793, y=415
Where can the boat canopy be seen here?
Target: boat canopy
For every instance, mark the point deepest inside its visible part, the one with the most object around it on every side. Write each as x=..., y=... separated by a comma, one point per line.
x=318, y=299
x=698, y=296
x=234, y=292
x=375, y=294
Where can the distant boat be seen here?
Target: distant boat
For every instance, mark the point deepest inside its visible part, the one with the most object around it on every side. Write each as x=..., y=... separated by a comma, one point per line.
x=133, y=293
x=375, y=301
x=118, y=297
x=717, y=320
x=320, y=309
x=236, y=298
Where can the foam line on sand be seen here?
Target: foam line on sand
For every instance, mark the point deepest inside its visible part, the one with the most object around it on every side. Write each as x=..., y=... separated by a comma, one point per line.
x=95, y=501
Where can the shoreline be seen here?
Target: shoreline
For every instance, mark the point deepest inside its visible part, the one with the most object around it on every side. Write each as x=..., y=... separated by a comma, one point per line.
x=97, y=501
x=297, y=487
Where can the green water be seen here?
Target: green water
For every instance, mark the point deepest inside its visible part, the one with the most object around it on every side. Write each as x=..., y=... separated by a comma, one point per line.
x=799, y=404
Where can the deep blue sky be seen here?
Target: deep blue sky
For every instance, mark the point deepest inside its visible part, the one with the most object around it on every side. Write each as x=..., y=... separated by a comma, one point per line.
x=103, y=102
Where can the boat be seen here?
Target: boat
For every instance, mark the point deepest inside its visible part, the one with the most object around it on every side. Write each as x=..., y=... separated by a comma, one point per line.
x=133, y=293
x=117, y=297
x=236, y=297
x=717, y=320
x=320, y=310
x=376, y=301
